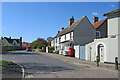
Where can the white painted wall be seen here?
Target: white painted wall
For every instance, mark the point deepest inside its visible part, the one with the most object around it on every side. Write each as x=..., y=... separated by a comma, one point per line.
x=67, y=36
x=4, y=41
x=14, y=43
x=77, y=50
x=62, y=38
x=113, y=26
x=110, y=49
x=52, y=43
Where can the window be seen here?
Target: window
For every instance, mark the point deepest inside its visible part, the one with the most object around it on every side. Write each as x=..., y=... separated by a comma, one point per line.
x=59, y=39
x=65, y=37
x=97, y=34
x=71, y=35
x=56, y=40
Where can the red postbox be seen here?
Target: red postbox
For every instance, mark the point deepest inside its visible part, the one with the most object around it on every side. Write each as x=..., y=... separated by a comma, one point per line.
x=70, y=51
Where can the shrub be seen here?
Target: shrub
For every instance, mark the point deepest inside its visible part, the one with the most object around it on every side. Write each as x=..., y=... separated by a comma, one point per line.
x=50, y=50
x=57, y=52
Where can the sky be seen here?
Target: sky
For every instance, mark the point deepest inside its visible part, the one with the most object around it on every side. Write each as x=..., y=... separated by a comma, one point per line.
x=31, y=20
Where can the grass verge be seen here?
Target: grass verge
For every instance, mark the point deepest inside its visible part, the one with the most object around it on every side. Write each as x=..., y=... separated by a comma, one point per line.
x=4, y=63
x=7, y=51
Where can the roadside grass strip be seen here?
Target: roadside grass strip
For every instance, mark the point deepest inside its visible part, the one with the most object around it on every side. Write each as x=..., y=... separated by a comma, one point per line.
x=4, y=63
x=7, y=51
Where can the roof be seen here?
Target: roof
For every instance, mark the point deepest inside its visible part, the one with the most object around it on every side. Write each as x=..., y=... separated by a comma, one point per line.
x=18, y=40
x=8, y=39
x=99, y=23
x=112, y=12
x=70, y=28
x=11, y=40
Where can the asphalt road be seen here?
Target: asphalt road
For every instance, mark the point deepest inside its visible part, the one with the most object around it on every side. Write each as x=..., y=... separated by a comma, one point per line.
x=39, y=65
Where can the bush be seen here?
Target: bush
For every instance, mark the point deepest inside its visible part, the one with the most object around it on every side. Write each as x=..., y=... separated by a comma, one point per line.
x=50, y=50
x=57, y=52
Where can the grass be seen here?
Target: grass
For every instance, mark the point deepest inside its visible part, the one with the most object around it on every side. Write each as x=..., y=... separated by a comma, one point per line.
x=6, y=51
x=4, y=63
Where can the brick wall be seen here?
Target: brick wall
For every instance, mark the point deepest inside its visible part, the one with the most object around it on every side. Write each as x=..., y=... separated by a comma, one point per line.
x=9, y=48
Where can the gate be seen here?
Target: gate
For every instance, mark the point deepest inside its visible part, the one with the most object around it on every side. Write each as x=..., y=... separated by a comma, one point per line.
x=82, y=52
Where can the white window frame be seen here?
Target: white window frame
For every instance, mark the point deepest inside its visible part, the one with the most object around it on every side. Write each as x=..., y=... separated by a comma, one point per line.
x=99, y=34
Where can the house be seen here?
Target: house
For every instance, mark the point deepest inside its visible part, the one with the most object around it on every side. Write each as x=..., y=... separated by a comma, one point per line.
x=80, y=33
x=25, y=44
x=106, y=48
x=52, y=42
x=101, y=27
x=11, y=42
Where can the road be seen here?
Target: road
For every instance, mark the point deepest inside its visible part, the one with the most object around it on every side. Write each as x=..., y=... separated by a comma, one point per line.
x=46, y=65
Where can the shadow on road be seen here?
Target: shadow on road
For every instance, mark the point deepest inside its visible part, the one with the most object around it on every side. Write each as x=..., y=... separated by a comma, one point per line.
x=38, y=68
x=20, y=53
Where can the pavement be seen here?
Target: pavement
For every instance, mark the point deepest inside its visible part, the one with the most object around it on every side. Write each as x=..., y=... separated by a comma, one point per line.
x=12, y=70
x=48, y=65
x=76, y=61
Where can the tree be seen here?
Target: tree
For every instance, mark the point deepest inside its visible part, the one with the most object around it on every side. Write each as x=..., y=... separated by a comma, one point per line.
x=42, y=40
x=39, y=43
x=49, y=39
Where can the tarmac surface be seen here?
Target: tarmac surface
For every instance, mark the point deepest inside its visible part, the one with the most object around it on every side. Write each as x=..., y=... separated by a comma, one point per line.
x=48, y=65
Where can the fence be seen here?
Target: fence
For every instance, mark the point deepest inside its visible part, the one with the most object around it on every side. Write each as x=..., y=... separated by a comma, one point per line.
x=10, y=48
x=79, y=52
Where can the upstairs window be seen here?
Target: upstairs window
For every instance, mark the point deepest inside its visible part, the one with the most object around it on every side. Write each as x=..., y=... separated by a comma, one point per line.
x=59, y=39
x=65, y=37
x=56, y=40
x=71, y=35
x=97, y=34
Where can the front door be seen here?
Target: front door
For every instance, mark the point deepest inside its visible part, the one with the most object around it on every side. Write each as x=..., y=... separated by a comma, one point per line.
x=101, y=53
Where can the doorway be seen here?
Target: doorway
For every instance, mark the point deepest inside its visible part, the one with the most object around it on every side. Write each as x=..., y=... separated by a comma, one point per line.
x=101, y=52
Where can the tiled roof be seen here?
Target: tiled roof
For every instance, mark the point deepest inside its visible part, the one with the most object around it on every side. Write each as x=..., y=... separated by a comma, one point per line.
x=8, y=39
x=70, y=28
x=112, y=12
x=18, y=40
x=99, y=23
x=11, y=40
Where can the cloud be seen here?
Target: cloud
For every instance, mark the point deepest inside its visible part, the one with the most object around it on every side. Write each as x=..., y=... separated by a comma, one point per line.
x=95, y=13
x=113, y=5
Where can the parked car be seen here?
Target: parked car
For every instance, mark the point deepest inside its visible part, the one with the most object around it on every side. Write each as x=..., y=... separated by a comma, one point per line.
x=28, y=48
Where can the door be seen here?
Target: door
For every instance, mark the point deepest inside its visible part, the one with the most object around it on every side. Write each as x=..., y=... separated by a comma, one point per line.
x=101, y=53
x=82, y=52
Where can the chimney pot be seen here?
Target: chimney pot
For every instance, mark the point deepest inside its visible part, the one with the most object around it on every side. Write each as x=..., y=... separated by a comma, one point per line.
x=71, y=20
x=95, y=19
x=62, y=28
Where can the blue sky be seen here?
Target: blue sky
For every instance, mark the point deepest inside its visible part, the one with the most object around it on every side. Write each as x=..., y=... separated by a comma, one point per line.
x=31, y=20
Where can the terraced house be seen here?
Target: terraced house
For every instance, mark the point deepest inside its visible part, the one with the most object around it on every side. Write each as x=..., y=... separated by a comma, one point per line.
x=11, y=42
x=107, y=48
x=80, y=33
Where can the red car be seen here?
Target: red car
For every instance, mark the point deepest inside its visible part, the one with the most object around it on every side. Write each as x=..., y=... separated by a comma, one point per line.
x=28, y=48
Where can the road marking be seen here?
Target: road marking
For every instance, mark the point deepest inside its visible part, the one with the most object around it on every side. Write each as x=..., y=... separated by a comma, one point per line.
x=29, y=76
x=23, y=71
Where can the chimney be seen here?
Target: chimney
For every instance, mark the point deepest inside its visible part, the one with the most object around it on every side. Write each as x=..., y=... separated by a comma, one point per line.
x=71, y=20
x=95, y=19
x=62, y=28
x=58, y=31
x=21, y=41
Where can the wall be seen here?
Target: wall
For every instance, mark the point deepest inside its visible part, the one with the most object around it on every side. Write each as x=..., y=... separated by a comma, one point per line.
x=84, y=33
x=103, y=30
x=9, y=48
x=62, y=38
x=4, y=41
x=67, y=36
x=113, y=26
x=110, y=49
x=77, y=51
